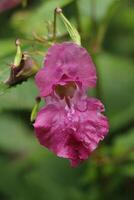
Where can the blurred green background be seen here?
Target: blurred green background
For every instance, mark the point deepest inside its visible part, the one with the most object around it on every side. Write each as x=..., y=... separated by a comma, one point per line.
x=27, y=170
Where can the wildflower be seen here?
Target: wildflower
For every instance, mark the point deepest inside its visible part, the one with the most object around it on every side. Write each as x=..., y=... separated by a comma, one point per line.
x=71, y=125
x=64, y=63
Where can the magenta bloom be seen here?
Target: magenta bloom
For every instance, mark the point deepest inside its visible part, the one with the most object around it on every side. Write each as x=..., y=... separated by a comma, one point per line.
x=71, y=125
x=64, y=63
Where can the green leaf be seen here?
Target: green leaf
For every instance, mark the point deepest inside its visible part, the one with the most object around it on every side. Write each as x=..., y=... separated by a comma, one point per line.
x=15, y=136
x=3, y=88
x=27, y=22
x=71, y=30
x=122, y=118
x=101, y=8
x=123, y=146
x=19, y=97
x=4, y=68
x=7, y=47
x=128, y=170
x=4, y=74
x=116, y=79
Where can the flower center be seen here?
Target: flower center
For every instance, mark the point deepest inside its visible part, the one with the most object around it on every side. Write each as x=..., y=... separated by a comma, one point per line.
x=65, y=91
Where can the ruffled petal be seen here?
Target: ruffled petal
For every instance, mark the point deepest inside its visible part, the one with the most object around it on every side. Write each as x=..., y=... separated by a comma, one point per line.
x=46, y=79
x=70, y=132
x=63, y=63
x=49, y=128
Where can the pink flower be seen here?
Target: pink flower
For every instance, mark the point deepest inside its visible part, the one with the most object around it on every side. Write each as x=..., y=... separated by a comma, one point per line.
x=74, y=131
x=71, y=125
x=64, y=63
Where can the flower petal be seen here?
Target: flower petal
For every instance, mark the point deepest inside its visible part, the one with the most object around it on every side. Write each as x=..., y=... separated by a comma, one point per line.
x=63, y=63
x=70, y=132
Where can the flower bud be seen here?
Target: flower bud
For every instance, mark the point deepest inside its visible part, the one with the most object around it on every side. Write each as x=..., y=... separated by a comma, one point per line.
x=27, y=67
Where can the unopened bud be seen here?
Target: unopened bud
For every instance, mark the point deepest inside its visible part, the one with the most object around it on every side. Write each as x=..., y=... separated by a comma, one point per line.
x=27, y=67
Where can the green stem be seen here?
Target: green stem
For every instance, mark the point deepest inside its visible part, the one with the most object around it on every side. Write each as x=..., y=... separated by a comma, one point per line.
x=54, y=29
x=56, y=11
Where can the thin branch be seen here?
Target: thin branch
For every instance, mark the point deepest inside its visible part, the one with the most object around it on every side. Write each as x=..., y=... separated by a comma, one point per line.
x=56, y=11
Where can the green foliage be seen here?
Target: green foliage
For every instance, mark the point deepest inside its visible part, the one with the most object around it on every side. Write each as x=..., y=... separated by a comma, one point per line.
x=19, y=97
x=124, y=145
x=101, y=7
x=3, y=88
x=27, y=170
x=28, y=22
